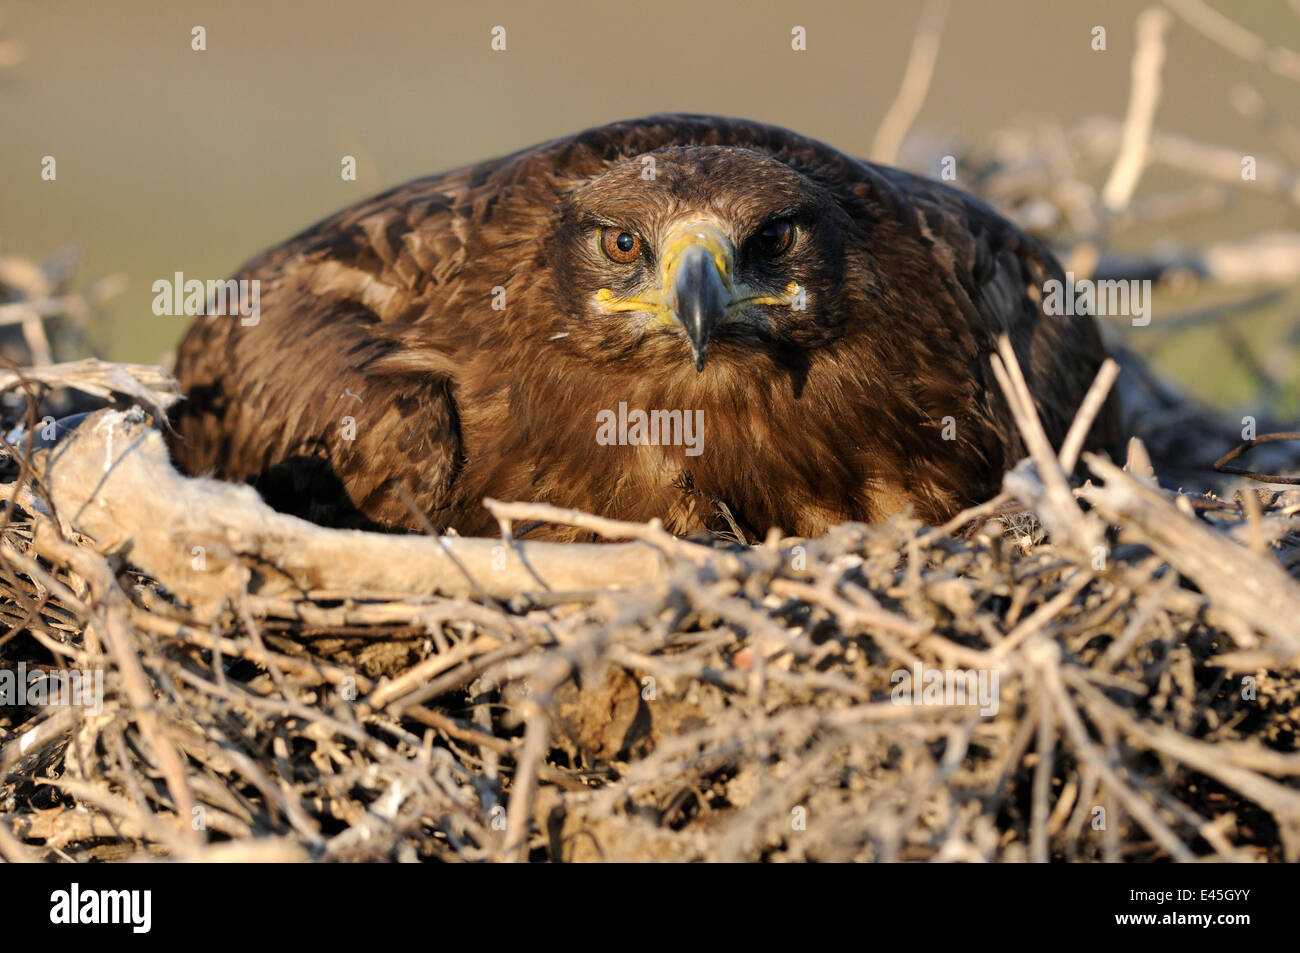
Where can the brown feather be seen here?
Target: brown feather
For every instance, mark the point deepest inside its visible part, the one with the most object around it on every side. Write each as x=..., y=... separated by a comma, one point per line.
x=831, y=414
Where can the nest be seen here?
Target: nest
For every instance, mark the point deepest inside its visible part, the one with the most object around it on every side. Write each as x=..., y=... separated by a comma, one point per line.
x=1105, y=672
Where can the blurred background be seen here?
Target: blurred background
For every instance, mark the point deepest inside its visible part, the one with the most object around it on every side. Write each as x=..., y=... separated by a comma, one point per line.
x=170, y=159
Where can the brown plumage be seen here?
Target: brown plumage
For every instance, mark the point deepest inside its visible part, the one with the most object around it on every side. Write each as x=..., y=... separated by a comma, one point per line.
x=473, y=326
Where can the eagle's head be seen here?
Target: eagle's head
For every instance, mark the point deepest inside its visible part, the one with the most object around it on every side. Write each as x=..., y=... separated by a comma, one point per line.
x=692, y=251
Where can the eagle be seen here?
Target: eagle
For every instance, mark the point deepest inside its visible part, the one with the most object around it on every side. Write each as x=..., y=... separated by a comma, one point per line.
x=712, y=322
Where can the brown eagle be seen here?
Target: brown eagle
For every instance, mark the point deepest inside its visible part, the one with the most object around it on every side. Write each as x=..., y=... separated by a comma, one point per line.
x=683, y=317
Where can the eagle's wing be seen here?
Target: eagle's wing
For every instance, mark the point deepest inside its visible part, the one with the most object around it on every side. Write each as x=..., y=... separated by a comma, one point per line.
x=1002, y=272
x=364, y=407
x=378, y=312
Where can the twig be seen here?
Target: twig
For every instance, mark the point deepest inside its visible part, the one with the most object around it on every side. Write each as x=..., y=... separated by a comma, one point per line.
x=1144, y=95
x=1237, y=39
x=1220, y=465
x=916, y=83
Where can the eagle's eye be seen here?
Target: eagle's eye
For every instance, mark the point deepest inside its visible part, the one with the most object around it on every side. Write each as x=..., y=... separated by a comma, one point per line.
x=774, y=239
x=620, y=246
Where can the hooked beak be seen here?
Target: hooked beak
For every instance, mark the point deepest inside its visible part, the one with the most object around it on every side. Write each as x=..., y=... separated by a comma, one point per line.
x=699, y=298
x=697, y=274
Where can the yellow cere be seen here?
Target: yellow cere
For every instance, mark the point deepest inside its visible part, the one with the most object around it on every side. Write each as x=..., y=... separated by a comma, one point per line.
x=705, y=234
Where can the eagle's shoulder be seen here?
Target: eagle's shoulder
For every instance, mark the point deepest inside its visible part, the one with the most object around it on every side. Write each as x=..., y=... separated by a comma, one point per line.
x=980, y=240
x=1003, y=273
x=388, y=252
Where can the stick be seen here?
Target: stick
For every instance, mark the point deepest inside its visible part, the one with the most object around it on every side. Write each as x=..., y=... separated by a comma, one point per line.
x=112, y=479
x=1144, y=96
x=916, y=84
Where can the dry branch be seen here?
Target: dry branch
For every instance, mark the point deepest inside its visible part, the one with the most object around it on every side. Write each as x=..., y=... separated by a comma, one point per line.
x=102, y=379
x=1148, y=59
x=1251, y=587
x=112, y=481
x=915, y=84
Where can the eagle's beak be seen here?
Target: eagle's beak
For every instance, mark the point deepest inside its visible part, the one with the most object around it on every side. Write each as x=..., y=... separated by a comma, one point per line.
x=699, y=299
x=697, y=275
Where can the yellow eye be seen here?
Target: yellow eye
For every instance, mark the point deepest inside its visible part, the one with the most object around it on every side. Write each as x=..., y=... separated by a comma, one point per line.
x=774, y=239
x=620, y=246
